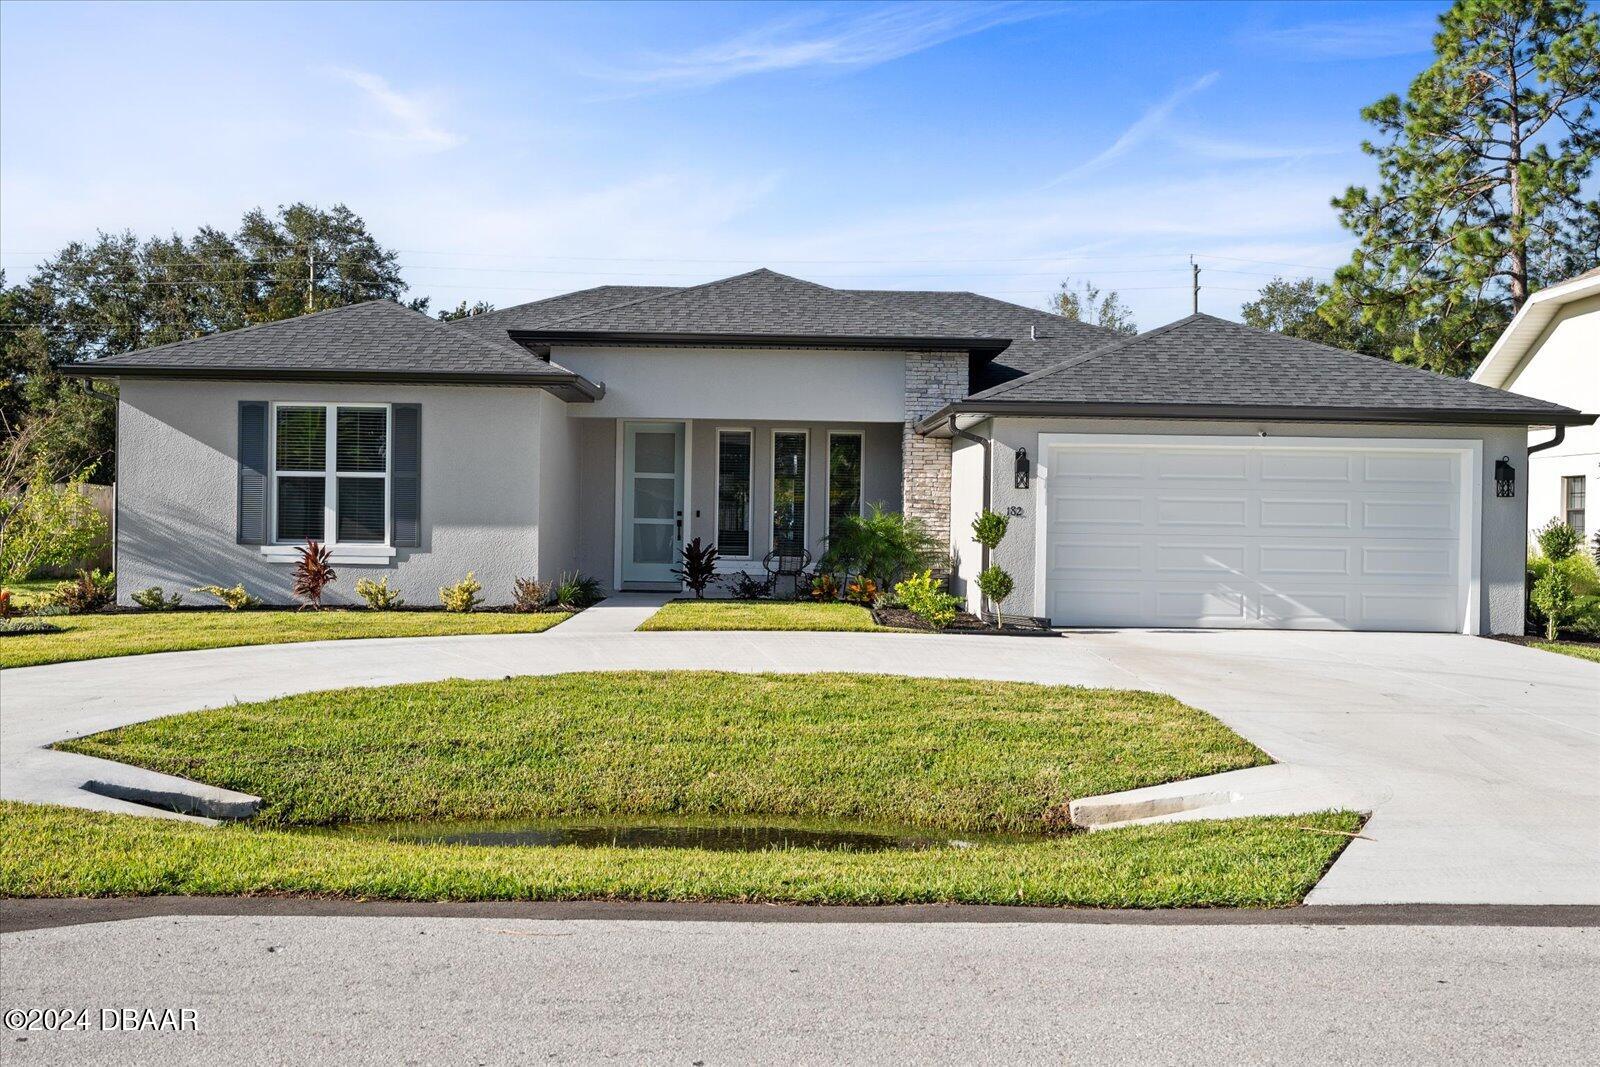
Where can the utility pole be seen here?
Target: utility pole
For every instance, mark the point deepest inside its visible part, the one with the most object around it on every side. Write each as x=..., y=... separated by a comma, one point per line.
x=1194, y=273
x=311, y=278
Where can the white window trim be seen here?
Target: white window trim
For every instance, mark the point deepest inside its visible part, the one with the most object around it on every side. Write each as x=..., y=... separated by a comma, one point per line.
x=749, y=496
x=1468, y=452
x=277, y=551
x=861, y=489
x=772, y=490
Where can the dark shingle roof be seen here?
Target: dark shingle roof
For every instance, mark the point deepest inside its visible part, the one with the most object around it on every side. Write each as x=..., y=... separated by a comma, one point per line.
x=375, y=340
x=492, y=325
x=1206, y=362
x=761, y=303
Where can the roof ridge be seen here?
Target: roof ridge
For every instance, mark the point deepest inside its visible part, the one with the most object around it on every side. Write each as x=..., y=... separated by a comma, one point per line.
x=562, y=296
x=840, y=293
x=1085, y=357
x=656, y=296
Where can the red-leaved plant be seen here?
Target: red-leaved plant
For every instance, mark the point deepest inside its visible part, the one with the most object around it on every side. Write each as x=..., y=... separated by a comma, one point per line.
x=313, y=573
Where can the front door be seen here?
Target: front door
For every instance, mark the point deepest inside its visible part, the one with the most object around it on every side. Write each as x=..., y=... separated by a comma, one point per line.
x=652, y=502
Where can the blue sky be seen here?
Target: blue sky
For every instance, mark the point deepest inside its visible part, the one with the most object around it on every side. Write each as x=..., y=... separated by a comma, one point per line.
x=514, y=151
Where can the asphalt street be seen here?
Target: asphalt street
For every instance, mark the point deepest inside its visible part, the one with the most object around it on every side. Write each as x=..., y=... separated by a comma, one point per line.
x=372, y=989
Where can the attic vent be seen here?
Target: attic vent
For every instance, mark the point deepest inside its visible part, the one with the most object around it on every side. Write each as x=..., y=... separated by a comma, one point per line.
x=1033, y=333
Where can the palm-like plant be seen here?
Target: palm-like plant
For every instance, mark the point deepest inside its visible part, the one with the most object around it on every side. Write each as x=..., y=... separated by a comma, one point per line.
x=313, y=573
x=883, y=546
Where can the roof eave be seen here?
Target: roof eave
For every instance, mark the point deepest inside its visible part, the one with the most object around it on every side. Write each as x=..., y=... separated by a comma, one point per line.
x=938, y=423
x=1500, y=366
x=542, y=340
x=570, y=387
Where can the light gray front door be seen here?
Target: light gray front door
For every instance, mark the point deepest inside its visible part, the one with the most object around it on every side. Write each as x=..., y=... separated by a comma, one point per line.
x=652, y=501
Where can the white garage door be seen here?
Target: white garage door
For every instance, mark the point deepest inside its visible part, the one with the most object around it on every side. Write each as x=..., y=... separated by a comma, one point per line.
x=1288, y=534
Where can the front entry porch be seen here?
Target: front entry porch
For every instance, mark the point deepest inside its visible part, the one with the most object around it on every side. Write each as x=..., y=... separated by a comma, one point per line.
x=749, y=487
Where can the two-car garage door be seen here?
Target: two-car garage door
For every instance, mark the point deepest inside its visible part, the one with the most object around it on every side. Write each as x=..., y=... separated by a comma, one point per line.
x=1289, y=533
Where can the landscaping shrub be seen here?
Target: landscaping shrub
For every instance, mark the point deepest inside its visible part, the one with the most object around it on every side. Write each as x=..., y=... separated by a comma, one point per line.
x=989, y=529
x=23, y=627
x=313, y=573
x=996, y=583
x=235, y=598
x=48, y=525
x=923, y=596
x=1564, y=583
x=378, y=595
x=89, y=591
x=743, y=586
x=1557, y=540
x=530, y=594
x=156, y=599
x=861, y=591
x=463, y=596
x=824, y=587
x=577, y=590
x=5, y=604
x=699, y=567
x=884, y=546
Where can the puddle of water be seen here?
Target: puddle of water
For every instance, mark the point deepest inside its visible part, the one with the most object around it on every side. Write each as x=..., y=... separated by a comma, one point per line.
x=717, y=836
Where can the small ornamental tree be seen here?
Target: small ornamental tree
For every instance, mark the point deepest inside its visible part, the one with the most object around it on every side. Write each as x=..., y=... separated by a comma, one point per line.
x=996, y=583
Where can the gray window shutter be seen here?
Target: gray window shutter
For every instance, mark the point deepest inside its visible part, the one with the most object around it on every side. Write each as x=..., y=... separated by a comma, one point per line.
x=405, y=495
x=252, y=472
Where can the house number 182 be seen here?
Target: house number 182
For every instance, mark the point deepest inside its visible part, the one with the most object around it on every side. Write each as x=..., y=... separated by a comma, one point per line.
x=1016, y=511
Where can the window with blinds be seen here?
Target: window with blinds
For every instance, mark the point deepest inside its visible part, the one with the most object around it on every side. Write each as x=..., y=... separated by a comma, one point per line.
x=733, y=493
x=789, y=492
x=334, y=491
x=1575, y=501
x=844, y=478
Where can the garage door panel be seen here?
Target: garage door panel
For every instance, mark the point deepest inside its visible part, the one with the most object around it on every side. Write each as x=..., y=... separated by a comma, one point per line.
x=1412, y=516
x=1253, y=536
x=1289, y=561
x=1098, y=510
x=1202, y=511
x=1322, y=467
x=1223, y=466
x=1330, y=515
x=1219, y=558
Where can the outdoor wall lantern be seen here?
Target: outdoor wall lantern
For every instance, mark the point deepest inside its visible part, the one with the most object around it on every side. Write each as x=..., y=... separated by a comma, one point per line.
x=1022, y=468
x=1505, y=477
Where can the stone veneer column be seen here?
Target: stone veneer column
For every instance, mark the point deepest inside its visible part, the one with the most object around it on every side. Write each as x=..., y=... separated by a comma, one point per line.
x=933, y=379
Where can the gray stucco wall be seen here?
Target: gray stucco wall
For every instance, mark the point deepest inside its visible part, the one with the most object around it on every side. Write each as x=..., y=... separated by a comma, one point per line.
x=178, y=478
x=1502, y=534
x=556, y=533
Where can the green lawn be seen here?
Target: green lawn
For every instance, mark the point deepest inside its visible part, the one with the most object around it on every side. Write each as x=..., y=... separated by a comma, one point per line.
x=1571, y=648
x=131, y=634
x=760, y=615
x=947, y=754
x=55, y=852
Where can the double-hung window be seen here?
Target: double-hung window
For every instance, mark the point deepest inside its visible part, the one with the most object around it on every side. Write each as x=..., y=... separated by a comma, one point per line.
x=330, y=473
x=1574, y=491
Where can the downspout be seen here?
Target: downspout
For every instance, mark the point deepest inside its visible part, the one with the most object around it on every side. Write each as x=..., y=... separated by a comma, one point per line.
x=986, y=443
x=1561, y=435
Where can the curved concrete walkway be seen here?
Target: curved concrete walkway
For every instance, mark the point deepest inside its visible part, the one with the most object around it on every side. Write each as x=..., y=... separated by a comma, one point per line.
x=1478, y=758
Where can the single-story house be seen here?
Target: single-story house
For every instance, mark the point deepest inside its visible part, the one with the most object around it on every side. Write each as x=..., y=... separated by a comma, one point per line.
x=1551, y=351
x=1200, y=474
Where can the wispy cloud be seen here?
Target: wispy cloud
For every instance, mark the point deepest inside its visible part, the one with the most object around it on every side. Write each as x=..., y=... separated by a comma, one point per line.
x=857, y=38
x=1220, y=148
x=1349, y=38
x=1142, y=129
x=407, y=118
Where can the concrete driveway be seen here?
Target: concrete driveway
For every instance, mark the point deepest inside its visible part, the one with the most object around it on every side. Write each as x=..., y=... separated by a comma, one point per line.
x=1479, y=759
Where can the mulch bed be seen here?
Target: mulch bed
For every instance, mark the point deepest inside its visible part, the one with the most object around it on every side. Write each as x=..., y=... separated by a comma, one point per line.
x=966, y=623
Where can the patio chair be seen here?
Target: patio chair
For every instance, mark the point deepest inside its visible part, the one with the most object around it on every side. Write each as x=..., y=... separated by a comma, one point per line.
x=787, y=563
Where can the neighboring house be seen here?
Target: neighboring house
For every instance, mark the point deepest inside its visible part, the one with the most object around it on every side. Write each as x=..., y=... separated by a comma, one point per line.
x=1201, y=474
x=1551, y=351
